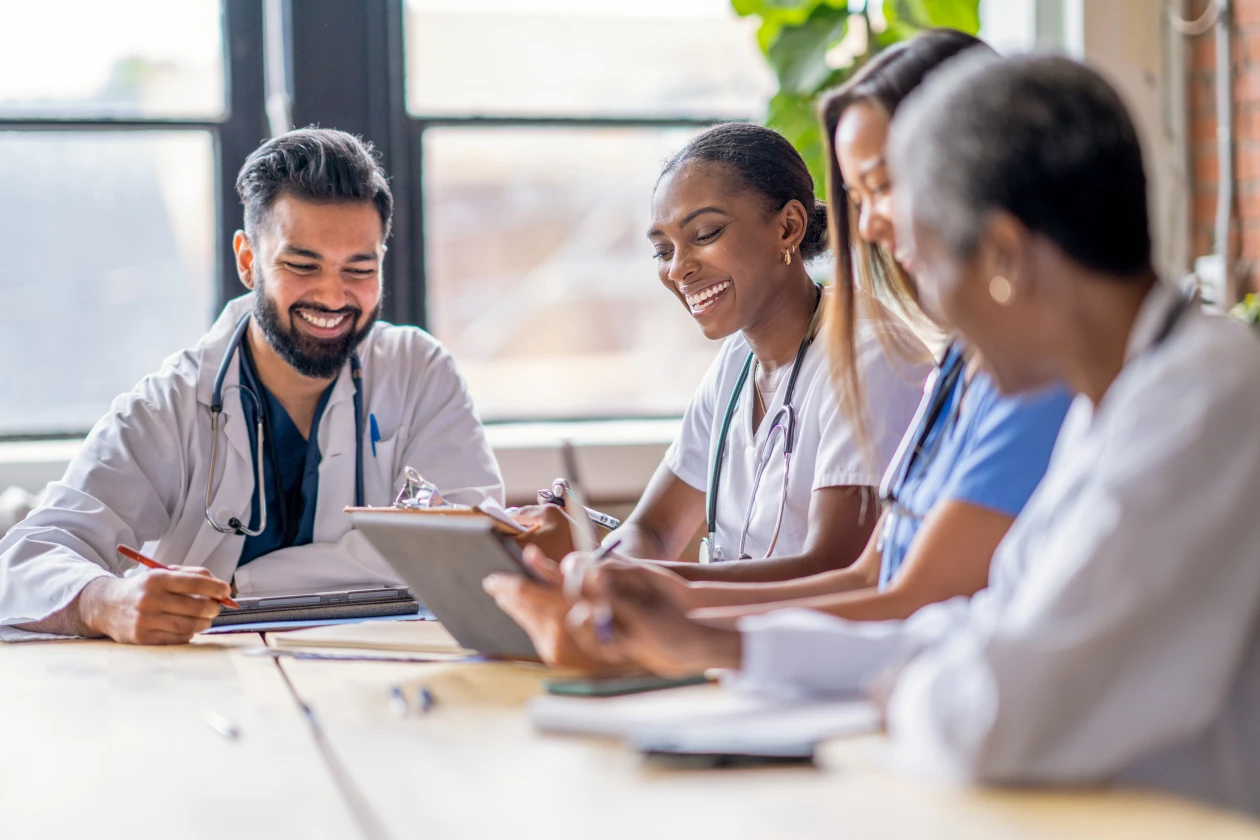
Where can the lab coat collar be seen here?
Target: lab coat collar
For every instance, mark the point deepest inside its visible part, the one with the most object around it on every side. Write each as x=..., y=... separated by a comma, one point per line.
x=1151, y=318
x=336, y=435
x=214, y=346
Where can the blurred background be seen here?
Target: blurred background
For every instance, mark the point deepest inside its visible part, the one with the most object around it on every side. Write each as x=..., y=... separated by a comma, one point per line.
x=523, y=138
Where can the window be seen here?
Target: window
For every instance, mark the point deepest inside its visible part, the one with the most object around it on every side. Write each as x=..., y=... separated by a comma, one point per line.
x=125, y=58
x=109, y=251
x=579, y=59
x=112, y=135
x=542, y=132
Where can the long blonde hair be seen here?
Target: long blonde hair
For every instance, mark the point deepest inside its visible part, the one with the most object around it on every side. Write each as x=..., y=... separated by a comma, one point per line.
x=867, y=277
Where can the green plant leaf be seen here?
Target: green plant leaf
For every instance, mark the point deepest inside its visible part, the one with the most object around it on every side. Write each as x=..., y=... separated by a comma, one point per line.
x=910, y=16
x=793, y=116
x=795, y=36
x=798, y=53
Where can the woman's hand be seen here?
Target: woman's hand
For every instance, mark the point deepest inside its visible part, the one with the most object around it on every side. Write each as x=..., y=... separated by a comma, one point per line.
x=727, y=618
x=670, y=584
x=552, y=530
x=539, y=607
x=627, y=615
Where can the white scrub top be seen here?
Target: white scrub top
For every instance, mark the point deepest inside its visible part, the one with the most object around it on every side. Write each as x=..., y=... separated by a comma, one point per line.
x=1119, y=638
x=827, y=454
x=141, y=475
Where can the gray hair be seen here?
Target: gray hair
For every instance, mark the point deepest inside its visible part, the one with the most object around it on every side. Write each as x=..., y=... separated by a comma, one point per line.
x=1043, y=138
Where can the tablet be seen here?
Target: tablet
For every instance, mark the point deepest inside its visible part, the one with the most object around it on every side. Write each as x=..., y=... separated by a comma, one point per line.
x=365, y=602
x=444, y=560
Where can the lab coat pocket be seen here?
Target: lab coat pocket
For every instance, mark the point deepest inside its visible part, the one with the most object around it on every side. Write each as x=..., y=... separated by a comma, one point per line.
x=381, y=475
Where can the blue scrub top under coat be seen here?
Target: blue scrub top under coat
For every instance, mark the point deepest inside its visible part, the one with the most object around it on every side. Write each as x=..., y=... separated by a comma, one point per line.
x=298, y=461
x=993, y=454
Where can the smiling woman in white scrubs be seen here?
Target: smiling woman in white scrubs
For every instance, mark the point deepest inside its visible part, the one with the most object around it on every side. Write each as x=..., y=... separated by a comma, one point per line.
x=734, y=221
x=1119, y=639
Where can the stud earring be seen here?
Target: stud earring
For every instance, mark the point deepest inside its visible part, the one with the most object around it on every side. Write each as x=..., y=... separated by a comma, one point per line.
x=787, y=256
x=1001, y=290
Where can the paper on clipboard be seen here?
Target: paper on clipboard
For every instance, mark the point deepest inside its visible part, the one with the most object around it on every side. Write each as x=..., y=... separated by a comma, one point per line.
x=490, y=509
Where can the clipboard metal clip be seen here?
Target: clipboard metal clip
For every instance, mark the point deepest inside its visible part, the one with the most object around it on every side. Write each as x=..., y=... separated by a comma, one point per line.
x=417, y=492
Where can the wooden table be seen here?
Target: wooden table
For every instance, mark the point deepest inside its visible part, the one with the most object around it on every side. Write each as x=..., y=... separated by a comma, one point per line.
x=106, y=740
x=102, y=740
x=474, y=767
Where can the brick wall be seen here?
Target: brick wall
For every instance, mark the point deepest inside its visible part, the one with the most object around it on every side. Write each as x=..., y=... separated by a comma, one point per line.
x=1201, y=92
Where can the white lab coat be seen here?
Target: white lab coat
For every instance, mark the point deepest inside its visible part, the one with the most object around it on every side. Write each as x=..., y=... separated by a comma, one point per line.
x=142, y=472
x=1119, y=639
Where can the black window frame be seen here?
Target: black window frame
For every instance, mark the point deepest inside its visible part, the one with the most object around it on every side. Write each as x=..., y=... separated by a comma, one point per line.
x=234, y=135
x=346, y=69
x=327, y=36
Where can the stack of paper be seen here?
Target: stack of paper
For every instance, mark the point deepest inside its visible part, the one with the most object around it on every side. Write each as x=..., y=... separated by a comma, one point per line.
x=704, y=719
x=402, y=636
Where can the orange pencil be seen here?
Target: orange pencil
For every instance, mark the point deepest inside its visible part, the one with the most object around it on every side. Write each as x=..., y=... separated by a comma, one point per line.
x=132, y=554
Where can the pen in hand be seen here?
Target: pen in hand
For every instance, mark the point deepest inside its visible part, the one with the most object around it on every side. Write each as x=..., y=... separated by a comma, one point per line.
x=602, y=612
x=132, y=554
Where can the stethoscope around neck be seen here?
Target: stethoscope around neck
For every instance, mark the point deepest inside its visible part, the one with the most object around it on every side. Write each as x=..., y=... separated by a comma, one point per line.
x=234, y=525
x=782, y=425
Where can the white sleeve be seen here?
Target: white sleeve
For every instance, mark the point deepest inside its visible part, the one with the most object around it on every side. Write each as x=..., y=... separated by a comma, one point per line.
x=120, y=488
x=799, y=653
x=891, y=390
x=688, y=456
x=1125, y=633
x=446, y=441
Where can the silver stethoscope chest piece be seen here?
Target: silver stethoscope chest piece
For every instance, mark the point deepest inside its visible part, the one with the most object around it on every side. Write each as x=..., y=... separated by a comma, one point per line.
x=782, y=427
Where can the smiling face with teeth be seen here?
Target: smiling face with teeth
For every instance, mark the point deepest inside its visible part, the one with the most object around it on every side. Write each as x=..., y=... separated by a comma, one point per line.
x=315, y=269
x=719, y=250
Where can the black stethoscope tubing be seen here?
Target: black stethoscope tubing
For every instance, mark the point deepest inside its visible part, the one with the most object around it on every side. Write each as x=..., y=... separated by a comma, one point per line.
x=789, y=438
x=235, y=526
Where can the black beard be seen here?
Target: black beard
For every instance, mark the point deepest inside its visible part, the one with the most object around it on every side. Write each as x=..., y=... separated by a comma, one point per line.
x=317, y=358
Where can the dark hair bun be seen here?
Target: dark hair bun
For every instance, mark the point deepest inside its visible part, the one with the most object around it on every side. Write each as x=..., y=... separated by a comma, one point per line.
x=761, y=160
x=815, y=242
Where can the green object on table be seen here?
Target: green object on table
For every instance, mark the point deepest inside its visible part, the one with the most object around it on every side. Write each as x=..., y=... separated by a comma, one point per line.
x=616, y=686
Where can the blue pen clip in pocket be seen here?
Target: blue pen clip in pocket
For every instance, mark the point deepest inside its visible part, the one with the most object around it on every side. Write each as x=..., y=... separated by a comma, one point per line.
x=375, y=431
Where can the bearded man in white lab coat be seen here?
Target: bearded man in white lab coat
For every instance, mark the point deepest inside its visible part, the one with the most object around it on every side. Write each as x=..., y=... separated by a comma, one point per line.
x=317, y=216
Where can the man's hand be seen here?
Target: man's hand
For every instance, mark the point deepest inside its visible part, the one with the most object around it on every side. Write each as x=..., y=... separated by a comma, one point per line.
x=155, y=608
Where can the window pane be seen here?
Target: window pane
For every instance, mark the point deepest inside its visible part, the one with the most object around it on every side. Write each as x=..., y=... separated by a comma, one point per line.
x=540, y=277
x=583, y=58
x=109, y=248
x=121, y=58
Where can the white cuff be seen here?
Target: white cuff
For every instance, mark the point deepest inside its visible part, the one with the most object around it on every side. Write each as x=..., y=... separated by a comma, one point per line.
x=801, y=653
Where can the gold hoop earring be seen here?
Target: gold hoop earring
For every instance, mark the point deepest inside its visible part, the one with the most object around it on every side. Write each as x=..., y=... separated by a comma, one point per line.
x=787, y=256
x=1001, y=290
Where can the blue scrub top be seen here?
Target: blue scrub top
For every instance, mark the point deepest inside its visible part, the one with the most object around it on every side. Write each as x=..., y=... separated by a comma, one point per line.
x=993, y=454
x=291, y=500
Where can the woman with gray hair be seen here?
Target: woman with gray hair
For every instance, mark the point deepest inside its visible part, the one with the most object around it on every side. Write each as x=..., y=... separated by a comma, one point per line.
x=1119, y=638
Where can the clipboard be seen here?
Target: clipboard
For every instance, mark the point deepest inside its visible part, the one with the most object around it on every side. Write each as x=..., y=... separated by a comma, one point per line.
x=502, y=525
x=416, y=498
